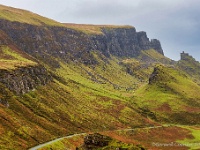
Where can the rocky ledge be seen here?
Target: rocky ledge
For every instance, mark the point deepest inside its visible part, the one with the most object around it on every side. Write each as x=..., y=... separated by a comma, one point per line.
x=68, y=44
x=24, y=79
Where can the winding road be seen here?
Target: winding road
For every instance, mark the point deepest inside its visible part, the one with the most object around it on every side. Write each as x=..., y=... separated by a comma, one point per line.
x=71, y=136
x=50, y=142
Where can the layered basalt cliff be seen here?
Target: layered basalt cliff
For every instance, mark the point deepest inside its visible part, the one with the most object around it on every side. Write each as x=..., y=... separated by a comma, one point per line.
x=44, y=42
x=24, y=79
x=123, y=42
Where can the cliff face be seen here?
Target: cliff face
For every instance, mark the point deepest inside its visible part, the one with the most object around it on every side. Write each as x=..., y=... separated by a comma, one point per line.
x=19, y=76
x=145, y=43
x=22, y=80
x=45, y=41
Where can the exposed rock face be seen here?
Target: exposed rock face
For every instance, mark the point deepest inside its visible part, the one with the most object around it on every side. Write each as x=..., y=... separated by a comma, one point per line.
x=3, y=38
x=145, y=44
x=44, y=42
x=155, y=44
x=95, y=141
x=23, y=80
x=153, y=77
x=119, y=42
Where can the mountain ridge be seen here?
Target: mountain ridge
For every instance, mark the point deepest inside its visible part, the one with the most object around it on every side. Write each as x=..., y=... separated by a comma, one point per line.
x=85, y=78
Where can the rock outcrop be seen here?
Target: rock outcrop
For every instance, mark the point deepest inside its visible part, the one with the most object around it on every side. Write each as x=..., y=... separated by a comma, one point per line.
x=44, y=42
x=188, y=64
x=145, y=43
x=24, y=79
x=95, y=141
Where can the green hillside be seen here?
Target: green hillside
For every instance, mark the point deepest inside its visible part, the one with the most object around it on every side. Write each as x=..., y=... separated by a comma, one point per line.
x=93, y=29
x=170, y=95
x=12, y=59
x=71, y=103
x=62, y=79
x=190, y=66
x=23, y=16
x=13, y=14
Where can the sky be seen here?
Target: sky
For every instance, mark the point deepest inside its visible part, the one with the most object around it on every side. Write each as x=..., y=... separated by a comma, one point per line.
x=176, y=23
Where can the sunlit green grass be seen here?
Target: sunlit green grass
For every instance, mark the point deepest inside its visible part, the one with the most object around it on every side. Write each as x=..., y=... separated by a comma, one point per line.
x=192, y=143
x=13, y=14
x=11, y=59
x=170, y=87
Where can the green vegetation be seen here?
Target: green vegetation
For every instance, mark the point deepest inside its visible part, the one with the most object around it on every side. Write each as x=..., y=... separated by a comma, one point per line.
x=114, y=144
x=13, y=14
x=168, y=94
x=83, y=97
x=107, y=94
x=12, y=59
x=74, y=102
x=192, y=142
x=93, y=29
x=191, y=67
x=23, y=16
x=161, y=137
x=152, y=56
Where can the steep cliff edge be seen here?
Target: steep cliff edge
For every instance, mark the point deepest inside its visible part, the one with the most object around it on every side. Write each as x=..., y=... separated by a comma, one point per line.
x=99, y=82
x=43, y=42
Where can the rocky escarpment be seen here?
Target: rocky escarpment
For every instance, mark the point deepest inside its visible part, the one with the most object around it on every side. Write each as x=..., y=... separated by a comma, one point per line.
x=124, y=42
x=24, y=79
x=45, y=42
x=145, y=43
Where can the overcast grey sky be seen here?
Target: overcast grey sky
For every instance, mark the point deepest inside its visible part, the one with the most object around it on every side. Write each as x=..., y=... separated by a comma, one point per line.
x=176, y=23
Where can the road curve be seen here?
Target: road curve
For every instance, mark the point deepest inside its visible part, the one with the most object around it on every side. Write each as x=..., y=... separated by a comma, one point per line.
x=71, y=136
x=50, y=142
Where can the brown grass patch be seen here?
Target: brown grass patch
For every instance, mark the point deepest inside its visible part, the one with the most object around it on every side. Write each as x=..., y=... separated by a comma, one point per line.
x=191, y=109
x=164, y=108
x=147, y=137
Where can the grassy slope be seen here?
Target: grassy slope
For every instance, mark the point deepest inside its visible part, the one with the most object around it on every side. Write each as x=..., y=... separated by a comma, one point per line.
x=10, y=58
x=23, y=16
x=142, y=66
x=72, y=103
x=82, y=98
x=170, y=92
x=161, y=138
x=191, y=141
x=191, y=67
x=13, y=14
x=152, y=56
x=93, y=29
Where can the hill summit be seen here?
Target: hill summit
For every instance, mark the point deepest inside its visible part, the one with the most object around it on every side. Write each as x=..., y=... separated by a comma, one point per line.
x=62, y=79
